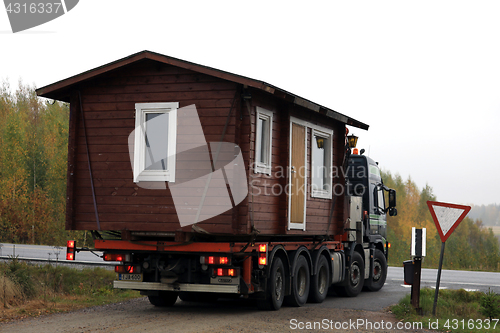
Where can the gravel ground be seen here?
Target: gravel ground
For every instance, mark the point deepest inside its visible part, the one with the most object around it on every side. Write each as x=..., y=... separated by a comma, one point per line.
x=139, y=315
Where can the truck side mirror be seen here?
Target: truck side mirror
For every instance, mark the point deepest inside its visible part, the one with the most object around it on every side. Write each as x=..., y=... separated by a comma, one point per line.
x=393, y=212
x=392, y=198
x=392, y=203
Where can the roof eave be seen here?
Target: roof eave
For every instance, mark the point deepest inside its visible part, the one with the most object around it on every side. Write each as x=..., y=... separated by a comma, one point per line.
x=60, y=89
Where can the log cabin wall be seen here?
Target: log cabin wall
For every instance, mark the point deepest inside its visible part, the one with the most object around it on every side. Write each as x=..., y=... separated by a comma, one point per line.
x=105, y=98
x=109, y=109
x=270, y=200
x=266, y=195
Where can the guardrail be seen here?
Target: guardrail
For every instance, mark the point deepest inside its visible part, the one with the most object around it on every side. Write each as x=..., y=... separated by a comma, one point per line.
x=70, y=263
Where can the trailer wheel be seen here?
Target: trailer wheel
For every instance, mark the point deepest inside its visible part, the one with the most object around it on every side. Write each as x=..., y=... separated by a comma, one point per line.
x=320, y=282
x=275, y=287
x=355, y=277
x=164, y=299
x=300, y=283
x=379, y=272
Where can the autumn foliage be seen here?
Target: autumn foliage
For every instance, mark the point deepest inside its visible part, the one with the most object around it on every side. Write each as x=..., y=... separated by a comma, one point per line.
x=33, y=155
x=471, y=246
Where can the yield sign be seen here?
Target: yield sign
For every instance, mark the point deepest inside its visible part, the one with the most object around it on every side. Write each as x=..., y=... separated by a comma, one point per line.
x=447, y=217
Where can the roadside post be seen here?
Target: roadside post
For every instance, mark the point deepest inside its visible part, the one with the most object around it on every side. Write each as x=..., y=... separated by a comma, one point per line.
x=418, y=245
x=447, y=217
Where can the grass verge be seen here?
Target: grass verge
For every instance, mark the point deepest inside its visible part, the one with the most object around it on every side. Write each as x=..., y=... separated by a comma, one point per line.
x=32, y=290
x=457, y=311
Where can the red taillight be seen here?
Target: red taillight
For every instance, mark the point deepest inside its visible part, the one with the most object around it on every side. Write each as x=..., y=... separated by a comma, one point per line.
x=126, y=269
x=262, y=255
x=226, y=272
x=211, y=260
x=70, y=250
x=116, y=257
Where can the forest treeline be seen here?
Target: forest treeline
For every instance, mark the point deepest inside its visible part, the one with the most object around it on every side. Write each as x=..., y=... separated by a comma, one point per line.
x=33, y=159
x=472, y=246
x=489, y=214
x=33, y=154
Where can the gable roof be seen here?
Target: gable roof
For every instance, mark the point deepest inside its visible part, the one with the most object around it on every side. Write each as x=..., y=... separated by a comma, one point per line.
x=60, y=90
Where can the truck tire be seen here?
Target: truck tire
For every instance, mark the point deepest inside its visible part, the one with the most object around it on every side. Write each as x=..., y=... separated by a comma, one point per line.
x=275, y=287
x=379, y=272
x=164, y=299
x=355, y=277
x=320, y=282
x=300, y=283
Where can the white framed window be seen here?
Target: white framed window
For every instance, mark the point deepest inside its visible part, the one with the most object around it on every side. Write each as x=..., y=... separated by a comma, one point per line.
x=155, y=141
x=321, y=163
x=263, y=141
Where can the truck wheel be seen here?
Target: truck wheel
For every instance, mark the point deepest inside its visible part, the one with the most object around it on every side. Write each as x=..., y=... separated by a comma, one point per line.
x=355, y=277
x=379, y=272
x=320, y=282
x=275, y=287
x=164, y=299
x=300, y=283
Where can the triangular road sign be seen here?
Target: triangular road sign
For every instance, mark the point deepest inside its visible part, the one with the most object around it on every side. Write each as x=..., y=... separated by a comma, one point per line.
x=447, y=217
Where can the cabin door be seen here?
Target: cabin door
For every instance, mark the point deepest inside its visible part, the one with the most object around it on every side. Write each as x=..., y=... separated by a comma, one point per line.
x=297, y=172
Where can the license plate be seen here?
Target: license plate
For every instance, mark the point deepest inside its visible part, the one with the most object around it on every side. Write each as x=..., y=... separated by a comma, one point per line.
x=129, y=277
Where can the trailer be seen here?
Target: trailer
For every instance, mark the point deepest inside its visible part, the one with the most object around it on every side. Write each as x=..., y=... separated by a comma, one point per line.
x=204, y=184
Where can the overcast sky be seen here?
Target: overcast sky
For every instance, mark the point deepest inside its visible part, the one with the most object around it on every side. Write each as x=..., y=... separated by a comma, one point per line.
x=424, y=75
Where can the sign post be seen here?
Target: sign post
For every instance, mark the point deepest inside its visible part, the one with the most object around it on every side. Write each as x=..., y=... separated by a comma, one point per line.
x=447, y=217
x=418, y=240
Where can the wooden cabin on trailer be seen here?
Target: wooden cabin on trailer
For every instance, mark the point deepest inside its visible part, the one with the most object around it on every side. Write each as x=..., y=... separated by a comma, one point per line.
x=292, y=149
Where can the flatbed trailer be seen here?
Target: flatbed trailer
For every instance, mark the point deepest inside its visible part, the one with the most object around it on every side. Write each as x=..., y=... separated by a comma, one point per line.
x=205, y=183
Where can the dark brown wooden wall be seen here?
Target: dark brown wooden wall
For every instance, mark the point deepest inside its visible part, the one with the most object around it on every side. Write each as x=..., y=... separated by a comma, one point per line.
x=267, y=200
x=270, y=202
x=109, y=108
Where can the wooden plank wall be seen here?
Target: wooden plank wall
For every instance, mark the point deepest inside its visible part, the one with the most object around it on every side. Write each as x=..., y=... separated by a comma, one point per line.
x=271, y=203
x=109, y=109
x=266, y=191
